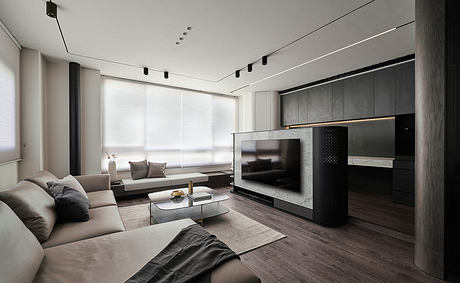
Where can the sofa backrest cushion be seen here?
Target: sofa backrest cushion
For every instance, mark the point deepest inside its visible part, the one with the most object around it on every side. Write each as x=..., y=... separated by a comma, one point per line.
x=33, y=206
x=21, y=253
x=41, y=179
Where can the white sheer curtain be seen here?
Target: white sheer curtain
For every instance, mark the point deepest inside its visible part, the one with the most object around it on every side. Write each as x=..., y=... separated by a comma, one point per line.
x=182, y=128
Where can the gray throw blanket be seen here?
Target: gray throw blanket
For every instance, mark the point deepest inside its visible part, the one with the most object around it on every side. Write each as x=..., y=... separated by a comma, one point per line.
x=189, y=257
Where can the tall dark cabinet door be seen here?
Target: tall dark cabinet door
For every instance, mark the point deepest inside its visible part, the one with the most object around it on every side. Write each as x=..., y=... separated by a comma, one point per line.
x=337, y=100
x=303, y=106
x=359, y=96
x=405, y=88
x=290, y=108
x=320, y=103
x=384, y=92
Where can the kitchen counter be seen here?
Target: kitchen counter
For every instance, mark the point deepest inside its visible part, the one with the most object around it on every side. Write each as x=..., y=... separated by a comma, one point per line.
x=371, y=161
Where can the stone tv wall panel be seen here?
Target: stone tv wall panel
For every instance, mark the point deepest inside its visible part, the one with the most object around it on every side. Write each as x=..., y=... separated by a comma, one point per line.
x=303, y=198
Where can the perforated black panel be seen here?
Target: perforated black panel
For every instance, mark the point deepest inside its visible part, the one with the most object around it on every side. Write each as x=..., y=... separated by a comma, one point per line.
x=330, y=165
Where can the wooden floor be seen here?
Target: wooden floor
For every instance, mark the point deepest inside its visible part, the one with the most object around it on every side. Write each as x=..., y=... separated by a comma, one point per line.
x=381, y=210
x=311, y=253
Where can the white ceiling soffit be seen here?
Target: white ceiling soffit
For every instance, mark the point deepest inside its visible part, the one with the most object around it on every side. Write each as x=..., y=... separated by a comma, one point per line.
x=225, y=36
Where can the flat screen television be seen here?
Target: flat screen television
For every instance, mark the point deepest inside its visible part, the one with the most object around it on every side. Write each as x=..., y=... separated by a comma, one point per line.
x=272, y=162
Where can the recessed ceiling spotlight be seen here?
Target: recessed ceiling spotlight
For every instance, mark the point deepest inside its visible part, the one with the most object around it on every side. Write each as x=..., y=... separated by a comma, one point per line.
x=177, y=42
x=184, y=33
x=189, y=28
x=181, y=38
x=146, y=71
x=51, y=9
x=237, y=74
x=264, y=60
x=249, y=68
x=166, y=74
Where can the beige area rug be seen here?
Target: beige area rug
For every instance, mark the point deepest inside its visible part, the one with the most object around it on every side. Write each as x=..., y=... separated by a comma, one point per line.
x=240, y=233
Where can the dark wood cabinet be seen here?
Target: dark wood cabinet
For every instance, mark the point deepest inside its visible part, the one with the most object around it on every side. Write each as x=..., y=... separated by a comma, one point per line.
x=359, y=97
x=303, y=106
x=320, y=103
x=384, y=92
x=403, y=181
x=337, y=100
x=404, y=88
x=290, y=109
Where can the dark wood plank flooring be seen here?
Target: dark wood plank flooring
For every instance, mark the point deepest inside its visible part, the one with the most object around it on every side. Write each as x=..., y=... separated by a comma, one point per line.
x=381, y=210
x=311, y=253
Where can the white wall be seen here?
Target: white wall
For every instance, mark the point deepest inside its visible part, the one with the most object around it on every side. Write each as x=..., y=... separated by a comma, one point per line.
x=9, y=54
x=258, y=111
x=32, y=113
x=266, y=109
x=57, y=117
x=91, y=129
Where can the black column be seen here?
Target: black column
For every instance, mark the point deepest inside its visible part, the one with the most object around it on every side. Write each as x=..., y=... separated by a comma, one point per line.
x=74, y=118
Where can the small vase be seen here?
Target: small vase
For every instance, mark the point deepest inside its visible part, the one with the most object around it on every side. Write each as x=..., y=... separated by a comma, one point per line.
x=113, y=170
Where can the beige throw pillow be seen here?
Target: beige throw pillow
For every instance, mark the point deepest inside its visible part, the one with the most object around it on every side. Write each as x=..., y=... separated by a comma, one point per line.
x=71, y=182
x=41, y=179
x=156, y=170
x=33, y=206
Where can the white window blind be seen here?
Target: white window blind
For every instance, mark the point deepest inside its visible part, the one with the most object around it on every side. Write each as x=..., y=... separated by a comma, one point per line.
x=9, y=100
x=161, y=124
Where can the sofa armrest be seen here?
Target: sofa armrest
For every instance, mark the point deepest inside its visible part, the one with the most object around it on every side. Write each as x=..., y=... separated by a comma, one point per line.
x=91, y=183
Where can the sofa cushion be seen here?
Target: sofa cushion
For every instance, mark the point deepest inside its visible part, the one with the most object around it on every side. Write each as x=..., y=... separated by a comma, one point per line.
x=101, y=198
x=71, y=182
x=110, y=258
x=21, y=253
x=138, y=169
x=182, y=179
x=71, y=205
x=96, y=182
x=33, y=206
x=116, y=257
x=102, y=221
x=41, y=179
x=141, y=184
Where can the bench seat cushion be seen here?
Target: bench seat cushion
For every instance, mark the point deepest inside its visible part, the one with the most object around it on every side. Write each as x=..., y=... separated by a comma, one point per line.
x=146, y=183
x=101, y=198
x=183, y=179
x=102, y=220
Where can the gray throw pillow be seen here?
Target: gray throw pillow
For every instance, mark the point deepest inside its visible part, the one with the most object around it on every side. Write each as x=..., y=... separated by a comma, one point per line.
x=156, y=170
x=33, y=206
x=71, y=182
x=70, y=204
x=139, y=169
x=41, y=178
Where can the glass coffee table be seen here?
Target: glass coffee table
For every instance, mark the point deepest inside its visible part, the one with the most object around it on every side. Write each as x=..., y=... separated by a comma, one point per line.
x=163, y=207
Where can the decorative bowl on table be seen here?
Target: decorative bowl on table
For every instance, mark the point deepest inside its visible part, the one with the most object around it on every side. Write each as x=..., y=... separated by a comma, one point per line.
x=177, y=194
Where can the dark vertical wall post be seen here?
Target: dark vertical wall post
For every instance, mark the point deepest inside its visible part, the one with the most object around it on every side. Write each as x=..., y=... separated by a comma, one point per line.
x=74, y=118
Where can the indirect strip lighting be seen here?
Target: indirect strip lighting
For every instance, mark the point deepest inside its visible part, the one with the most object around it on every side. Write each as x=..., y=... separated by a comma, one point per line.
x=322, y=56
x=340, y=122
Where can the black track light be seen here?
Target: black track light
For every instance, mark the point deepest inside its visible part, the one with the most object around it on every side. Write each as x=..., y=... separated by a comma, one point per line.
x=264, y=60
x=146, y=71
x=237, y=74
x=51, y=9
x=166, y=75
x=249, y=68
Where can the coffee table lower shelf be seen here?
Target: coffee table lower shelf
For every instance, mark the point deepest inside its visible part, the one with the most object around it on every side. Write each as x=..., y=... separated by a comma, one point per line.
x=196, y=213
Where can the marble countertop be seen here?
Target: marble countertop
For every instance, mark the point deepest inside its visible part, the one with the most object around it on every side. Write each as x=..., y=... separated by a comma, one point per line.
x=371, y=161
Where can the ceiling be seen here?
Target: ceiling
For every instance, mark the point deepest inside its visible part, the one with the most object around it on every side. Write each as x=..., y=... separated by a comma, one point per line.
x=225, y=36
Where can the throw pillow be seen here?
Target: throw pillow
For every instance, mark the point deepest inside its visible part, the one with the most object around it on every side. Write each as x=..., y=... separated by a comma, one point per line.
x=156, y=170
x=71, y=182
x=71, y=205
x=139, y=169
x=33, y=206
x=41, y=179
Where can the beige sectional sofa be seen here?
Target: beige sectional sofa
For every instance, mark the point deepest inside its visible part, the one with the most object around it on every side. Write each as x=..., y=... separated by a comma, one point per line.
x=98, y=250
